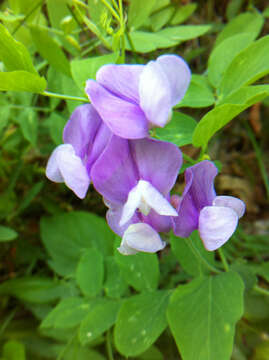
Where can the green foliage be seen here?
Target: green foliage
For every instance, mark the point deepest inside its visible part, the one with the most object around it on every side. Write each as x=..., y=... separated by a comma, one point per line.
x=65, y=236
x=204, y=313
x=179, y=130
x=90, y=272
x=64, y=297
x=192, y=255
x=140, y=322
x=7, y=234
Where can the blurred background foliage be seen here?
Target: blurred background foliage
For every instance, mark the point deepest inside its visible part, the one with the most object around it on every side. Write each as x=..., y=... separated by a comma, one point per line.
x=63, y=285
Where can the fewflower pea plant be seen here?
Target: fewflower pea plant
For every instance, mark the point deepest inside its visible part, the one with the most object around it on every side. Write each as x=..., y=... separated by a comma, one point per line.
x=193, y=277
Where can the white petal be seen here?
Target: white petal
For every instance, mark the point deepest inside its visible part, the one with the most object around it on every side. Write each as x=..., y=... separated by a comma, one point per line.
x=132, y=203
x=140, y=237
x=144, y=197
x=232, y=202
x=65, y=166
x=52, y=170
x=216, y=225
x=156, y=200
x=155, y=94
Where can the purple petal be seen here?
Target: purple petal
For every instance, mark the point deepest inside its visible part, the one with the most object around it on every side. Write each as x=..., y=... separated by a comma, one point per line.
x=216, y=225
x=155, y=94
x=113, y=174
x=158, y=222
x=121, y=80
x=140, y=237
x=158, y=162
x=124, y=118
x=198, y=193
x=178, y=75
x=81, y=129
x=232, y=202
x=100, y=142
x=65, y=165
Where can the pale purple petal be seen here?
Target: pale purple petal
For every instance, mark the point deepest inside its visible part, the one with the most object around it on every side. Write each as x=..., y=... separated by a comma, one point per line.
x=124, y=118
x=113, y=217
x=199, y=192
x=52, y=170
x=216, y=225
x=121, y=80
x=178, y=75
x=141, y=237
x=81, y=129
x=232, y=202
x=71, y=169
x=155, y=94
x=158, y=162
x=114, y=174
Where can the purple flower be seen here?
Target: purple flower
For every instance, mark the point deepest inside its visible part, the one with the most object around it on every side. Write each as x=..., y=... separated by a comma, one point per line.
x=133, y=98
x=135, y=178
x=85, y=137
x=216, y=217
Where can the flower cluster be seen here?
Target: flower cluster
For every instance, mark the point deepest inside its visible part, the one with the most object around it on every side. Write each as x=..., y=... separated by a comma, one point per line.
x=107, y=143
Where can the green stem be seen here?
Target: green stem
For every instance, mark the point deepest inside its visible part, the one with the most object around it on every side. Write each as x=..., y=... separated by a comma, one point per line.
x=122, y=27
x=40, y=3
x=188, y=158
x=64, y=97
x=113, y=12
x=259, y=158
x=199, y=256
x=109, y=346
x=223, y=260
x=261, y=290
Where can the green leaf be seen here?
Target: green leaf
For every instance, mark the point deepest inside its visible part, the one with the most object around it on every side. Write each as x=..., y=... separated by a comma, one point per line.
x=199, y=93
x=33, y=289
x=138, y=12
x=183, y=13
x=186, y=249
x=223, y=54
x=99, y=13
x=22, y=81
x=85, y=69
x=66, y=236
x=233, y=8
x=90, y=272
x=115, y=285
x=141, y=271
x=244, y=23
x=67, y=314
x=28, y=122
x=68, y=86
x=184, y=32
x=159, y=19
x=98, y=320
x=153, y=353
x=14, y=54
x=145, y=42
x=57, y=10
x=50, y=50
x=178, y=131
x=225, y=112
x=7, y=234
x=246, y=68
x=30, y=196
x=246, y=273
x=141, y=320
x=204, y=312
x=14, y=350
x=56, y=124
